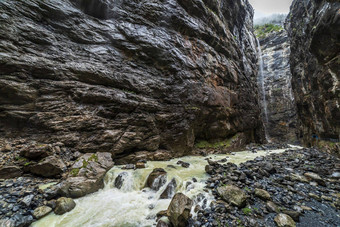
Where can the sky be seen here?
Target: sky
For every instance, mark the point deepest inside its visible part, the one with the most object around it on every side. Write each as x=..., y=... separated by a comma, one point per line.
x=267, y=7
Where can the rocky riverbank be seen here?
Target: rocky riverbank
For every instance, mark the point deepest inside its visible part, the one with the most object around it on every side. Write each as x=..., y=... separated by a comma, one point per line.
x=294, y=188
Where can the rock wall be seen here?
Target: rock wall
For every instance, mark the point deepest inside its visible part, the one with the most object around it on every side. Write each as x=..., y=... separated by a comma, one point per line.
x=122, y=76
x=281, y=105
x=313, y=27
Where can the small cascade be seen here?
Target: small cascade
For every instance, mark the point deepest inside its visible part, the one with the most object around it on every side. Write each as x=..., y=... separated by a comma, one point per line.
x=263, y=93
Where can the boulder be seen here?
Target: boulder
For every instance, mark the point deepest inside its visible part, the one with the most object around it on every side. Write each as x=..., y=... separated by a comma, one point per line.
x=262, y=194
x=86, y=175
x=51, y=166
x=271, y=207
x=298, y=177
x=156, y=179
x=162, y=223
x=140, y=165
x=7, y=172
x=6, y=148
x=183, y=164
x=64, y=205
x=284, y=220
x=179, y=210
x=233, y=195
x=169, y=191
x=36, y=151
x=315, y=177
x=41, y=212
x=120, y=180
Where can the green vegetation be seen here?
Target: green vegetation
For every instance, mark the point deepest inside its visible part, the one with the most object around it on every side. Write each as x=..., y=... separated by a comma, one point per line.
x=195, y=108
x=27, y=163
x=20, y=159
x=203, y=144
x=74, y=172
x=93, y=158
x=247, y=211
x=247, y=189
x=261, y=31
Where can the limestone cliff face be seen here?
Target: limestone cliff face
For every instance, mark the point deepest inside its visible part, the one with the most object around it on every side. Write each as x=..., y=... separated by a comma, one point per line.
x=314, y=33
x=281, y=106
x=126, y=75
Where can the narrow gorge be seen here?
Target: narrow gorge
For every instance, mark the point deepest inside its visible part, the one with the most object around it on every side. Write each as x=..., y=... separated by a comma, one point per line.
x=168, y=113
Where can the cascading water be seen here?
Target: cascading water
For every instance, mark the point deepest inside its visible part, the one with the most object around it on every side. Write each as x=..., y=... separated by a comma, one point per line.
x=263, y=93
x=125, y=201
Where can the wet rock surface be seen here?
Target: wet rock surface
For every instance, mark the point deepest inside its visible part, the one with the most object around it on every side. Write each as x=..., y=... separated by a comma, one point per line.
x=281, y=107
x=87, y=174
x=20, y=197
x=93, y=78
x=292, y=188
x=156, y=179
x=313, y=30
x=179, y=210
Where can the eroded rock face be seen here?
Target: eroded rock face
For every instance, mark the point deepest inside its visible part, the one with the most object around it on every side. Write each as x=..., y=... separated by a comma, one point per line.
x=281, y=105
x=86, y=74
x=313, y=27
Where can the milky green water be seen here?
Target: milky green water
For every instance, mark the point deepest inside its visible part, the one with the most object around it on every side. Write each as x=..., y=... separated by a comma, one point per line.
x=130, y=205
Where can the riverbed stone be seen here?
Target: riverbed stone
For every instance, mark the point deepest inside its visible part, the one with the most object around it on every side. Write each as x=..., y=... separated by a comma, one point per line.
x=284, y=220
x=315, y=177
x=179, y=210
x=51, y=166
x=262, y=194
x=64, y=205
x=233, y=195
x=272, y=207
x=41, y=212
x=7, y=172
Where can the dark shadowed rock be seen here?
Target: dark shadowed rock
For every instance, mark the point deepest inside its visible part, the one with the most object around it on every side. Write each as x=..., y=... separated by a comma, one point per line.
x=170, y=190
x=313, y=29
x=7, y=172
x=156, y=179
x=51, y=166
x=120, y=180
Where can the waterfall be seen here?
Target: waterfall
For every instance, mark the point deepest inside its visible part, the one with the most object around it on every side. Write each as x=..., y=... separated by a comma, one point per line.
x=263, y=93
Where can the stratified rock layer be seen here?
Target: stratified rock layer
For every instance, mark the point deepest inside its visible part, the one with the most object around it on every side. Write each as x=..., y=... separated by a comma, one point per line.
x=313, y=27
x=281, y=105
x=126, y=76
